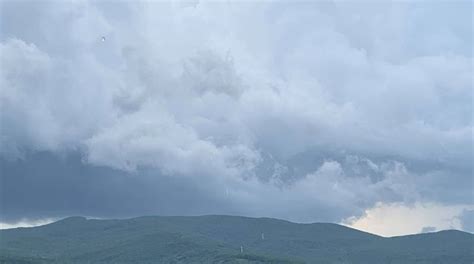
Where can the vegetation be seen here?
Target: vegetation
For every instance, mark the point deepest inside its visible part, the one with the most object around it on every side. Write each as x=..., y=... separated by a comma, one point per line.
x=218, y=239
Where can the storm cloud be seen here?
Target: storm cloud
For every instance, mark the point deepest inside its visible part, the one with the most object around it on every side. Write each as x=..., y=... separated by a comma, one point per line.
x=302, y=111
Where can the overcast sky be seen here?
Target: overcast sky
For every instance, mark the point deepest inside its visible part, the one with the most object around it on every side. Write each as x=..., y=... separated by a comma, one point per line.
x=350, y=112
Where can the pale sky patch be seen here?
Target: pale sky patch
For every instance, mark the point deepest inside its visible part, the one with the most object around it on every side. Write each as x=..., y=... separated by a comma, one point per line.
x=399, y=219
x=27, y=223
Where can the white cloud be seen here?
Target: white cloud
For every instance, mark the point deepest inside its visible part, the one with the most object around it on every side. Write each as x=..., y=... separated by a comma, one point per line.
x=303, y=92
x=151, y=138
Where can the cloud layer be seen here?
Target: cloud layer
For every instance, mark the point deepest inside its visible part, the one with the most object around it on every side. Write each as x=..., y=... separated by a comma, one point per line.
x=307, y=111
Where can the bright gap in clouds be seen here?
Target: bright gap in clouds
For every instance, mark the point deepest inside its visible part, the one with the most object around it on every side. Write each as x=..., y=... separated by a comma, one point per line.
x=27, y=223
x=399, y=219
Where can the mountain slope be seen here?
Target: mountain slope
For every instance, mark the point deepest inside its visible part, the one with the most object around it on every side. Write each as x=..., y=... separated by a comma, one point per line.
x=218, y=239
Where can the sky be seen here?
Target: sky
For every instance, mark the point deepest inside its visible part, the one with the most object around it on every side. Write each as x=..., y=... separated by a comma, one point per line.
x=351, y=112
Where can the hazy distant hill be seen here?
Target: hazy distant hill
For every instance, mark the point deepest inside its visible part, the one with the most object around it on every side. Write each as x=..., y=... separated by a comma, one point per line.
x=218, y=239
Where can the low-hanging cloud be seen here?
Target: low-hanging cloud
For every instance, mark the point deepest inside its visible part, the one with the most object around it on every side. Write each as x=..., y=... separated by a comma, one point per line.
x=308, y=111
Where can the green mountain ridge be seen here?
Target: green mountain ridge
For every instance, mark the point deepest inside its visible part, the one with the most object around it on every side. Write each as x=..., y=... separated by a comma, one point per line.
x=219, y=239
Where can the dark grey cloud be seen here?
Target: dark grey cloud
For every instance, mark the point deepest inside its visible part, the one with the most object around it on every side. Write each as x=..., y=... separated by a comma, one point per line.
x=305, y=111
x=46, y=185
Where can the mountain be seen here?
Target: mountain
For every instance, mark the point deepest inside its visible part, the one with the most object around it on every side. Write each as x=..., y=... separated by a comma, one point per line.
x=219, y=239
